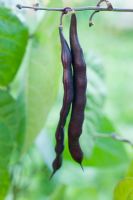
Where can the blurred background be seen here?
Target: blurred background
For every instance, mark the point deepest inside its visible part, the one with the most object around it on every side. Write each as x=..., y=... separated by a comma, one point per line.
x=108, y=50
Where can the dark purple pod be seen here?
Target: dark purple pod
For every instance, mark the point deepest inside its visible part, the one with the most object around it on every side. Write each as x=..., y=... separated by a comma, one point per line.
x=75, y=148
x=67, y=100
x=79, y=101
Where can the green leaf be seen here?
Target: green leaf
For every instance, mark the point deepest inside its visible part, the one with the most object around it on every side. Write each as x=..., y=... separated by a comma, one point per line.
x=130, y=196
x=9, y=125
x=21, y=117
x=6, y=147
x=59, y=193
x=108, y=152
x=124, y=190
x=94, y=63
x=106, y=125
x=42, y=76
x=9, y=112
x=130, y=170
x=96, y=93
x=13, y=41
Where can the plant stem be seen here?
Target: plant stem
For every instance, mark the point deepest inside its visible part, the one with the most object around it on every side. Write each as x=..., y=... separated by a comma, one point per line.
x=114, y=137
x=95, y=8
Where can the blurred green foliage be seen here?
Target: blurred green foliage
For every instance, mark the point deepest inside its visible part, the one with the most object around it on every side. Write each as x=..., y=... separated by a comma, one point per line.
x=30, y=100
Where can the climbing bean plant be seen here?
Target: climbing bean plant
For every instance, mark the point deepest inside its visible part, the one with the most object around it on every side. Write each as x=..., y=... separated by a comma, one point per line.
x=30, y=100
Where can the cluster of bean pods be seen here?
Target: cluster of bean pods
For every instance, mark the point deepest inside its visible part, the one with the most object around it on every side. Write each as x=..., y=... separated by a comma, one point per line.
x=75, y=84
